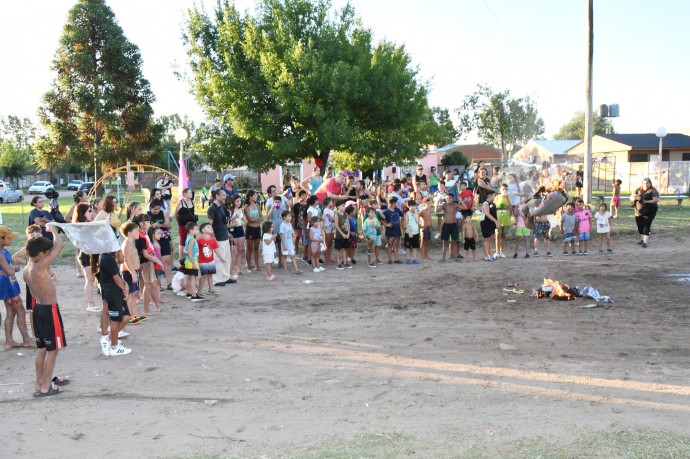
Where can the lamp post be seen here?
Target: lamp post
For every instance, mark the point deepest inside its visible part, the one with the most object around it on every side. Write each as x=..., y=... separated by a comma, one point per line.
x=509, y=150
x=661, y=133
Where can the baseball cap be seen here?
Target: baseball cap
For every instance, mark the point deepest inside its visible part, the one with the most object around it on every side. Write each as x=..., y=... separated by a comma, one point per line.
x=5, y=231
x=228, y=177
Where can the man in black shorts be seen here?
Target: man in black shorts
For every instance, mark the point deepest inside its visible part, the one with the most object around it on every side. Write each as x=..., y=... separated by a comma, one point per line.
x=48, y=328
x=115, y=292
x=449, y=230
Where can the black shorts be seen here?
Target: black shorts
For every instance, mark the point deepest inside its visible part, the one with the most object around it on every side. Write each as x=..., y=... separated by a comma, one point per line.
x=488, y=228
x=237, y=231
x=412, y=242
x=84, y=260
x=340, y=244
x=30, y=302
x=133, y=286
x=470, y=244
x=166, y=247
x=117, y=309
x=253, y=232
x=426, y=233
x=48, y=327
x=449, y=231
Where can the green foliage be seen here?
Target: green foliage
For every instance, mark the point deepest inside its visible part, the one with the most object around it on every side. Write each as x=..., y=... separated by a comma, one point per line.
x=21, y=132
x=500, y=120
x=575, y=128
x=447, y=133
x=168, y=124
x=14, y=161
x=99, y=103
x=455, y=158
x=299, y=80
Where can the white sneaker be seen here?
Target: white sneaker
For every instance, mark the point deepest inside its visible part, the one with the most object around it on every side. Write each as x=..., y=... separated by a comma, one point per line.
x=119, y=350
x=94, y=308
x=438, y=235
x=122, y=334
x=501, y=254
x=317, y=270
x=321, y=268
x=105, y=345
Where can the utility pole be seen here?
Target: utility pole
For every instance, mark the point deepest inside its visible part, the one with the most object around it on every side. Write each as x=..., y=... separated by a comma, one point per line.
x=588, y=111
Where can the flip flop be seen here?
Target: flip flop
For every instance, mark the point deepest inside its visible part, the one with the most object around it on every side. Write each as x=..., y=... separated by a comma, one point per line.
x=60, y=381
x=519, y=292
x=52, y=390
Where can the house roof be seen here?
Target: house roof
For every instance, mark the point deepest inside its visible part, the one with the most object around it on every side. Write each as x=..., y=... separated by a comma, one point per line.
x=557, y=147
x=472, y=151
x=650, y=140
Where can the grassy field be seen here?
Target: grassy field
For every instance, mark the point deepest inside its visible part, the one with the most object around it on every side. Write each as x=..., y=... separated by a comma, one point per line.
x=670, y=219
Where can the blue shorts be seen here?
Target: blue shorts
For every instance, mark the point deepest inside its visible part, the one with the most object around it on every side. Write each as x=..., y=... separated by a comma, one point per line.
x=133, y=287
x=569, y=237
x=584, y=236
x=207, y=268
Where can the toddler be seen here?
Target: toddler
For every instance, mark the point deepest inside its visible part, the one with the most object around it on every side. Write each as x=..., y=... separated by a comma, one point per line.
x=269, y=249
x=603, y=218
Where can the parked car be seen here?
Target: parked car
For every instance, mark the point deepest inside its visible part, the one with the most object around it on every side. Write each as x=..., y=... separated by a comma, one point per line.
x=86, y=187
x=9, y=194
x=40, y=187
x=74, y=185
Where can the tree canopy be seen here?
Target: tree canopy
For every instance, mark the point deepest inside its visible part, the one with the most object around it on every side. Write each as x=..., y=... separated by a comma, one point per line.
x=499, y=119
x=299, y=80
x=575, y=128
x=99, y=103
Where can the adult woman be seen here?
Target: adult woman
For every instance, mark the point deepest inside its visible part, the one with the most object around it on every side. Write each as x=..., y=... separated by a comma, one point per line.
x=252, y=215
x=313, y=182
x=363, y=196
x=579, y=180
x=157, y=193
x=162, y=219
x=237, y=230
x=166, y=184
x=420, y=176
x=39, y=216
x=97, y=205
x=433, y=180
x=82, y=214
x=482, y=187
x=545, y=179
x=645, y=200
x=133, y=209
x=108, y=213
x=184, y=213
x=489, y=224
x=79, y=197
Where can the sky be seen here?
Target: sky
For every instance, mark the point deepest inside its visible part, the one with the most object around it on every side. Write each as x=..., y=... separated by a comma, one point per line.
x=533, y=48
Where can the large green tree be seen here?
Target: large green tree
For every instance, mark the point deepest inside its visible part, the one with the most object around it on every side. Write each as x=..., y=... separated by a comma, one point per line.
x=170, y=124
x=14, y=160
x=20, y=131
x=575, y=128
x=499, y=119
x=299, y=80
x=99, y=105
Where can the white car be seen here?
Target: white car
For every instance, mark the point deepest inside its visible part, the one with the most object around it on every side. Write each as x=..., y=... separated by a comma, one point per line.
x=9, y=194
x=40, y=187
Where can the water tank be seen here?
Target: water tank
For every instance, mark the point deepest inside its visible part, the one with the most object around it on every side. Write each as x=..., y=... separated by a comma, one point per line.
x=614, y=111
x=603, y=111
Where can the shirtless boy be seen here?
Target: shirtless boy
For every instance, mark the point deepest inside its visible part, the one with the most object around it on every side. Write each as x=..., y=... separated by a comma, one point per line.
x=449, y=230
x=50, y=335
x=130, y=268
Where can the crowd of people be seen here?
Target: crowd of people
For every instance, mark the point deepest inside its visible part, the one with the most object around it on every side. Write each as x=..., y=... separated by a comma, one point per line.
x=312, y=223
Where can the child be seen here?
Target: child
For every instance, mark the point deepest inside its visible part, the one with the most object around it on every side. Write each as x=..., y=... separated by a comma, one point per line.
x=604, y=227
x=371, y=225
x=569, y=228
x=298, y=225
x=315, y=240
x=584, y=217
x=513, y=193
x=342, y=236
x=269, y=249
x=393, y=216
x=115, y=292
x=439, y=199
x=449, y=230
x=469, y=234
x=287, y=235
x=374, y=204
x=48, y=328
x=154, y=234
x=504, y=211
x=146, y=261
x=616, y=198
x=191, y=261
x=352, y=241
x=130, y=269
x=411, y=224
x=9, y=289
x=521, y=231
x=541, y=231
x=329, y=227
x=425, y=218
x=208, y=246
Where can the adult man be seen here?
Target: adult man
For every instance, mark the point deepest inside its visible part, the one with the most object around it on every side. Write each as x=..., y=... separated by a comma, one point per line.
x=275, y=205
x=219, y=219
x=229, y=185
x=332, y=188
x=216, y=186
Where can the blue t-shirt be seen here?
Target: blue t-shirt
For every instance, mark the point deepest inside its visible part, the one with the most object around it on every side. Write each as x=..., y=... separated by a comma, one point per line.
x=393, y=217
x=353, y=227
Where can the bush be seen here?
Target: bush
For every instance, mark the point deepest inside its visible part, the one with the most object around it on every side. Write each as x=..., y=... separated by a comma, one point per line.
x=455, y=158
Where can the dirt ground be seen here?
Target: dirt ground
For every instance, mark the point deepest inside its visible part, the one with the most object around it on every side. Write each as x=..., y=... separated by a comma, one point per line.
x=437, y=352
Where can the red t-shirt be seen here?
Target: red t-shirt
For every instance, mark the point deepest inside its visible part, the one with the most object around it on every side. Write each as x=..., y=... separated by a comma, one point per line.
x=206, y=248
x=467, y=197
x=328, y=186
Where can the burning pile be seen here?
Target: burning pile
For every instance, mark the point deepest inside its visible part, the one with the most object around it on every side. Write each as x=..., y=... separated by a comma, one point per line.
x=556, y=290
x=548, y=200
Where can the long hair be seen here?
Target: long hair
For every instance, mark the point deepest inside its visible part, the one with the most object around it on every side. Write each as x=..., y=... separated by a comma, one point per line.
x=109, y=204
x=79, y=215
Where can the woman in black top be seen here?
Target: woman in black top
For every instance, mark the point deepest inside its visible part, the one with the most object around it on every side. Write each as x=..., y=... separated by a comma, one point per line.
x=645, y=200
x=166, y=184
x=489, y=223
x=184, y=213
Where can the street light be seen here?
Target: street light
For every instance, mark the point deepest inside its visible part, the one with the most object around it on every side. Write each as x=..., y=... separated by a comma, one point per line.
x=661, y=133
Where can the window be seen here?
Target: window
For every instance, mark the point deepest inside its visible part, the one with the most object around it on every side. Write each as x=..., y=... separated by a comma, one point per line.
x=686, y=156
x=639, y=158
x=665, y=155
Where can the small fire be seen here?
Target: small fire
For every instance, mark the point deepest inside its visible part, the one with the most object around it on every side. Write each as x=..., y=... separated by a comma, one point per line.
x=559, y=290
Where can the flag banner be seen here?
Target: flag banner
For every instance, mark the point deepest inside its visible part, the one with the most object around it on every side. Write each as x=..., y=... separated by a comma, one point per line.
x=182, y=184
x=91, y=238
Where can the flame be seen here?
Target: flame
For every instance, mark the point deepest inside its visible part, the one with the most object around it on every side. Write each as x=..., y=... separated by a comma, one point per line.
x=558, y=289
